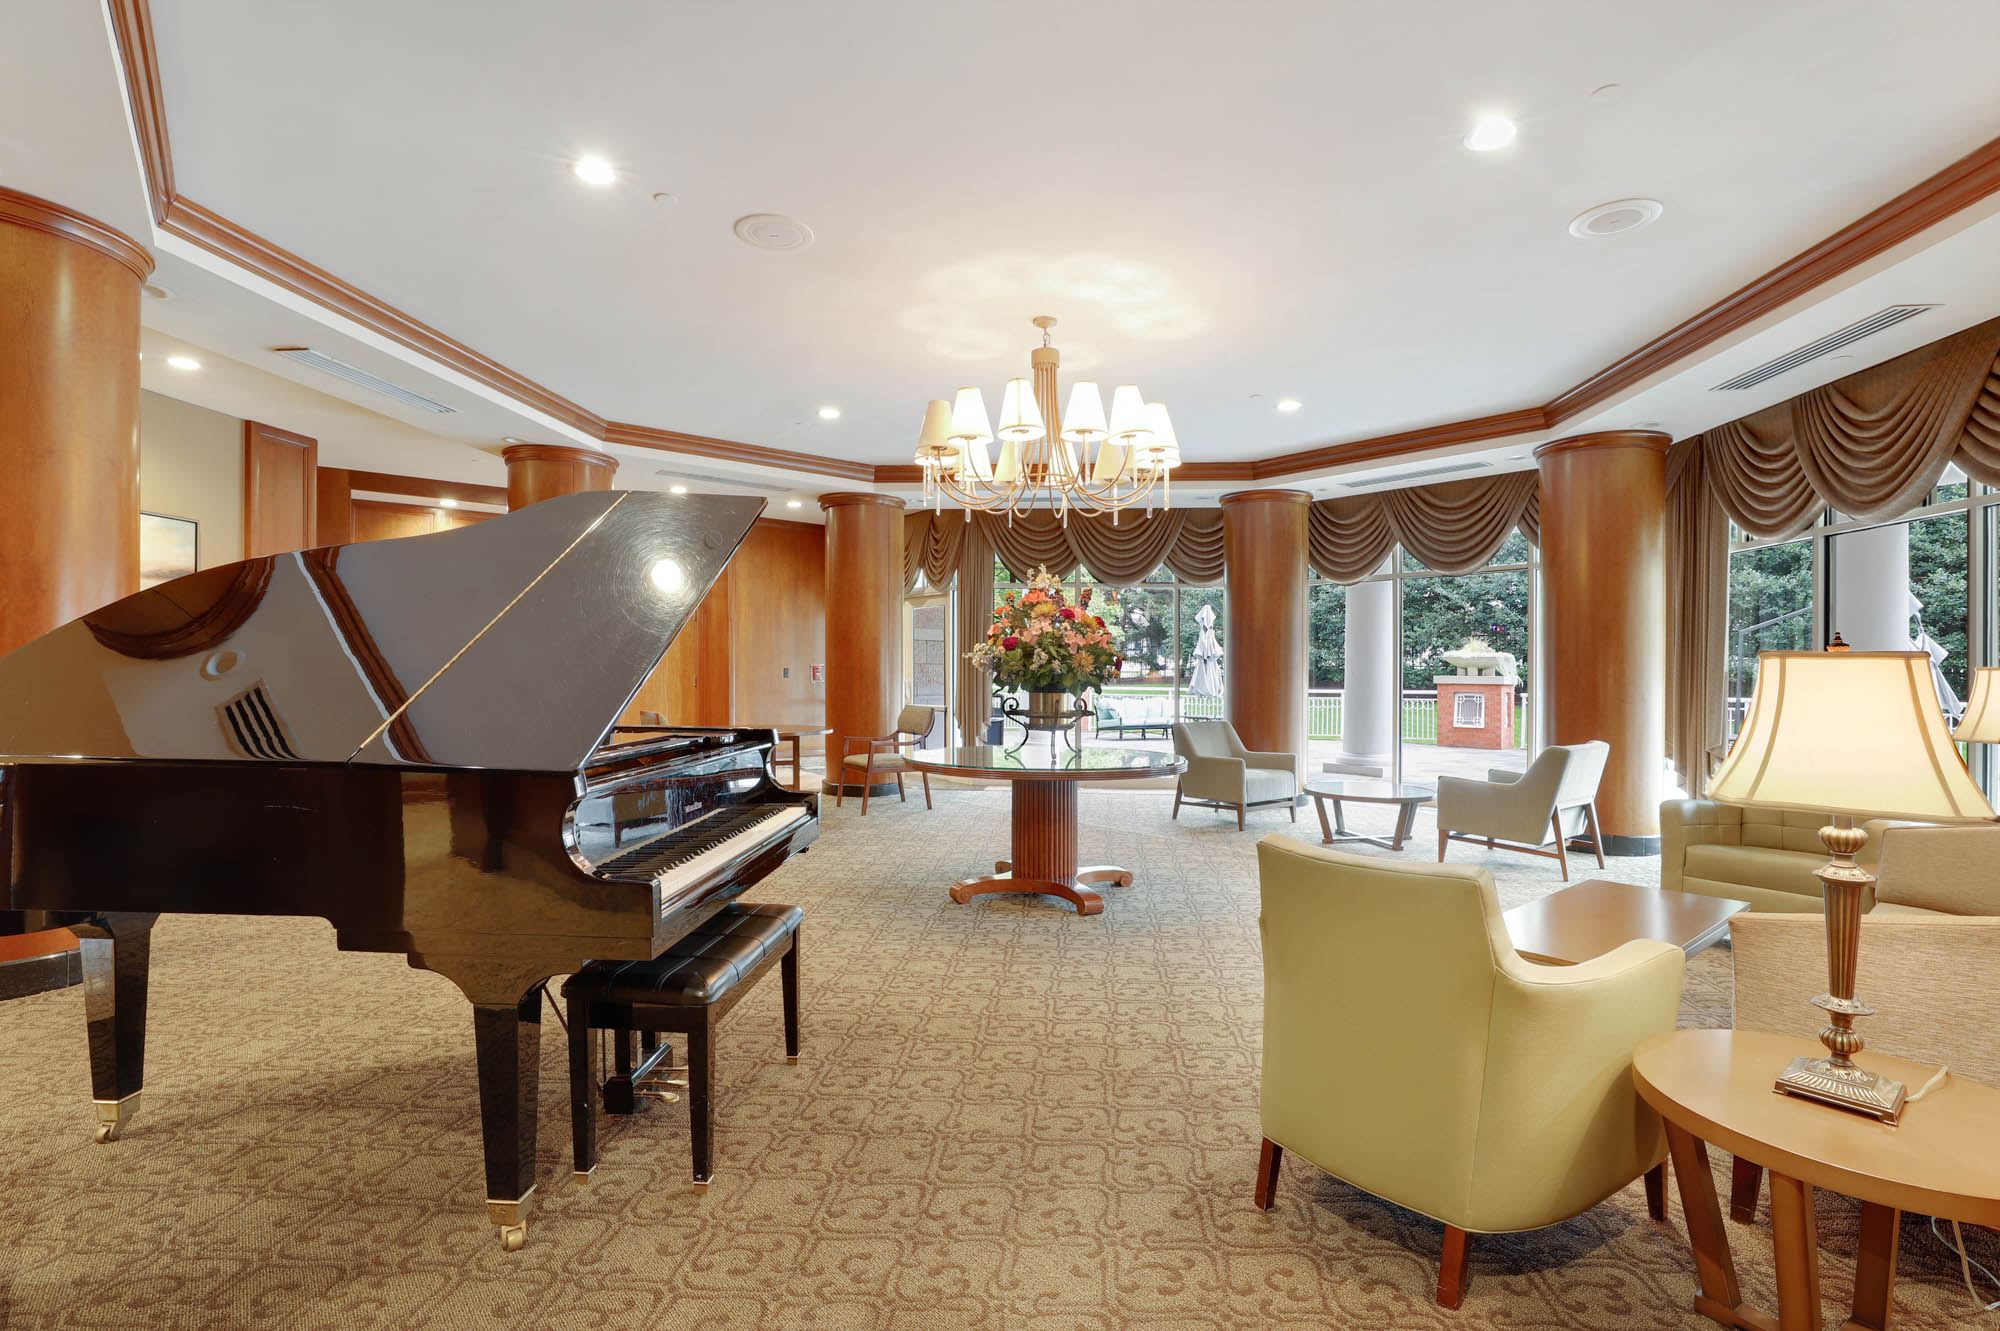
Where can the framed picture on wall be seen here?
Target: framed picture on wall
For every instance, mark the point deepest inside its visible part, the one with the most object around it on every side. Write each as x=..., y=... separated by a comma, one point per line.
x=167, y=548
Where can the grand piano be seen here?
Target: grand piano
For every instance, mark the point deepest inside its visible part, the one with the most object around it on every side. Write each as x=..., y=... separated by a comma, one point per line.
x=413, y=739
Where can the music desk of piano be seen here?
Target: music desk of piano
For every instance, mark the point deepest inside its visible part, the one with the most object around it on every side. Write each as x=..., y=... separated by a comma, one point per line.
x=412, y=739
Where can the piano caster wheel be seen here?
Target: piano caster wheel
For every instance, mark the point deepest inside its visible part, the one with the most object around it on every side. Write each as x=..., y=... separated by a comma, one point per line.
x=113, y=1115
x=512, y=1217
x=512, y=1237
x=792, y=1060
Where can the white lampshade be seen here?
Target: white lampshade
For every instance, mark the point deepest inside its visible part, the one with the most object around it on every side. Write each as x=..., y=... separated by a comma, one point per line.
x=1083, y=421
x=934, y=443
x=968, y=418
x=1981, y=722
x=1848, y=732
x=1165, y=450
x=1020, y=416
x=1128, y=416
x=1010, y=462
x=1110, y=462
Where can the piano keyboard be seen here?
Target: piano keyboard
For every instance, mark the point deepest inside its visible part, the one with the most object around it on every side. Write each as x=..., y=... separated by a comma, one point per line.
x=695, y=849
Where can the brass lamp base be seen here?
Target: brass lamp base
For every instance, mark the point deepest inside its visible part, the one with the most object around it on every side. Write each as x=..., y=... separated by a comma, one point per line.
x=1849, y=1087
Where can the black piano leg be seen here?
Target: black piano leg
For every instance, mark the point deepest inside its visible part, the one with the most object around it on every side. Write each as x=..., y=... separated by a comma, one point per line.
x=509, y=1036
x=116, y=953
x=701, y=1104
x=582, y=1088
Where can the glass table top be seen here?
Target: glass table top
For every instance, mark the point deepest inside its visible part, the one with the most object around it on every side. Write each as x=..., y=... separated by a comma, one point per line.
x=1365, y=789
x=1093, y=762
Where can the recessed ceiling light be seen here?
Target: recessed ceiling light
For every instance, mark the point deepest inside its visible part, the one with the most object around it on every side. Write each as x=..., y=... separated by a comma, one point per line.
x=511, y=439
x=829, y=413
x=1289, y=404
x=594, y=171
x=158, y=292
x=1614, y=218
x=773, y=231
x=447, y=503
x=1490, y=132
x=184, y=362
x=677, y=489
x=794, y=503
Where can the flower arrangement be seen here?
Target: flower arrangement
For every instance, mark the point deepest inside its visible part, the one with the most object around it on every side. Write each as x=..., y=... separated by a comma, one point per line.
x=1039, y=641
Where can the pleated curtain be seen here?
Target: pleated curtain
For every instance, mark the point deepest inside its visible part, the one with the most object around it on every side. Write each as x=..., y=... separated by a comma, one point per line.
x=1455, y=527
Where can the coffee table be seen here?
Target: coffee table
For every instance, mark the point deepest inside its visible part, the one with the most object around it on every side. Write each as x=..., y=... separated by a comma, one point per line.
x=1714, y=1088
x=1588, y=919
x=1044, y=833
x=1333, y=790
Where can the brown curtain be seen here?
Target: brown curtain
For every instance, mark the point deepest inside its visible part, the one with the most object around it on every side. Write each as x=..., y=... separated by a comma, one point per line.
x=975, y=607
x=1197, y=556
x=1697, y=617
x=1871, y=444
x=930, y=547
x=1187, y=541
x=1454, y=527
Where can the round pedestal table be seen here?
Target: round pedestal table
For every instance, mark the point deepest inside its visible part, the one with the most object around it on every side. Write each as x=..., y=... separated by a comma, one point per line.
x=1044, y=789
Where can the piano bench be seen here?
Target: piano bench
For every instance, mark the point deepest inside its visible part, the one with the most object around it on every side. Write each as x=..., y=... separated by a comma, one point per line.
x=687, y=990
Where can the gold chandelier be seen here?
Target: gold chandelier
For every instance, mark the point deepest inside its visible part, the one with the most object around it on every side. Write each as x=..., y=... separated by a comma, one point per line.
x=1075, y=459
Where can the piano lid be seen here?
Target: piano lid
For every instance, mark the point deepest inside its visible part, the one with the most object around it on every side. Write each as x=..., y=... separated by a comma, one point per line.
x=513, y=643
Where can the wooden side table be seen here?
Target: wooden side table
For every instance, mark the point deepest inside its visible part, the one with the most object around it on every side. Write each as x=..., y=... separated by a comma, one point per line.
x=1588, y=919
x=1714, y=1087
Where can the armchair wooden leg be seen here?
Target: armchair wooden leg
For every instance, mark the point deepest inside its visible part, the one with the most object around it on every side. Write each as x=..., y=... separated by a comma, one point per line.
x=1451, y=1268
x=1746, y=1180
x=1596, y=840
x=1656, y=1191
x=1175, y=817
x=1562, y=851
x=1268, y=1160
x=1239, y=817
x=839, y=787
x=867, y=782
x=927, y=790
x=1444, y=839
x=901, y=794
x=1294, y=807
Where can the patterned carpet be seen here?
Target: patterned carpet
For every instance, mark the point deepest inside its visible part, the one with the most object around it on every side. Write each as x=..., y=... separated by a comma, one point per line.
x=1006, y=1117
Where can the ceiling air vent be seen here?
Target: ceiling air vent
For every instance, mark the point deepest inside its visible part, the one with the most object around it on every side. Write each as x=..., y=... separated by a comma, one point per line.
x=354, y=374
x=1423, y=473
x=1811, y=351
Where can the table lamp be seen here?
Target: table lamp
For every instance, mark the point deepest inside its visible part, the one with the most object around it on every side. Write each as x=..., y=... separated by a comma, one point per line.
x=1840, y=732
x=1981, y=722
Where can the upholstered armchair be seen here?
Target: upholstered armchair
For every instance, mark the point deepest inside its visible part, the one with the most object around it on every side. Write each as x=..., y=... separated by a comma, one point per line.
x=883, y=755
x=1410, y=1052
x=1555, y=798
x=1222, y=774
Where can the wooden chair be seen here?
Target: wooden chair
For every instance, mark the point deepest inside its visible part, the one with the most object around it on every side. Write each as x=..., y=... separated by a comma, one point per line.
x=884, y=754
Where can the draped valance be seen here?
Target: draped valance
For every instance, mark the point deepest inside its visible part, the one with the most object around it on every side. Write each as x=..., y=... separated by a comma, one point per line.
x=1187, y=541
x=1453, y=527
x=1871, y=445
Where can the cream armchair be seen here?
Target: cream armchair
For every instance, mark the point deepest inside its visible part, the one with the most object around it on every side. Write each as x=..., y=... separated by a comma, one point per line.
x=1409, y=1051
x=1222, y=774
x=1555, y=798
x=882, y=755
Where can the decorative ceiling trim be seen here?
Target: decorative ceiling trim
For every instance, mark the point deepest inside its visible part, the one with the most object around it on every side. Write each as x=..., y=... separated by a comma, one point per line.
x=1965, y=182
x=422, y=487
x=701, y=445
x=37, y=214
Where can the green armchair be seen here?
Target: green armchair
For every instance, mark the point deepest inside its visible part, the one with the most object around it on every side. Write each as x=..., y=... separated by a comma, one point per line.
x=1411, y=1052
x=1222, y=774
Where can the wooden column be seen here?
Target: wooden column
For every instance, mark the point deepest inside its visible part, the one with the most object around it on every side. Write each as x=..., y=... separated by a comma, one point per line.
x=542, y=471
x=69, y=454
x=1603, y=505
x=1264, y=620
x=864, y=614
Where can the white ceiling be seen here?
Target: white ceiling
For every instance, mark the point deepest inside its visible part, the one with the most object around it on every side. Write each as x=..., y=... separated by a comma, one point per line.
x=1265, y=200
x=1217, y=201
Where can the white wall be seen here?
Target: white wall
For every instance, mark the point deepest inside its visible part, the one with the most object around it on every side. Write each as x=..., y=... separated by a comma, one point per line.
x=191, y=466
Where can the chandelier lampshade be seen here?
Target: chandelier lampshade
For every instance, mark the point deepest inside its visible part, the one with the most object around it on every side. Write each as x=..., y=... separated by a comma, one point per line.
x=1083, y=422
x=1128, y=416
x=1020, y=418
x=1046, y=456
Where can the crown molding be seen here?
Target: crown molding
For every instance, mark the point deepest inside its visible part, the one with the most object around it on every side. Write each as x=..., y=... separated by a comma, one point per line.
x=1965, y=182
x=38, y=214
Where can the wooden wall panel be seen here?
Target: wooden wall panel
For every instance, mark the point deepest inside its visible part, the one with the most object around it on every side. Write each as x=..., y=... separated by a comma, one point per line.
x=333, y=507
x=379, y=520
x=280, y=485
